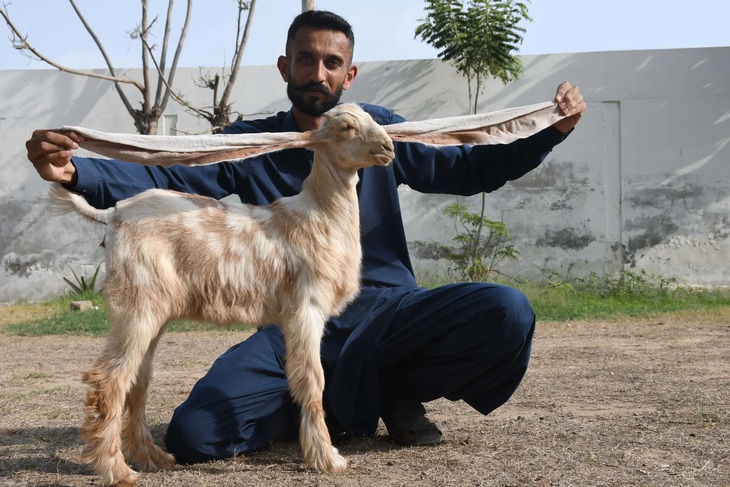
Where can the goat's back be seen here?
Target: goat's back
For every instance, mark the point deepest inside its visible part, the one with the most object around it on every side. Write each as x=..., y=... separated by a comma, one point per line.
x=191, y=256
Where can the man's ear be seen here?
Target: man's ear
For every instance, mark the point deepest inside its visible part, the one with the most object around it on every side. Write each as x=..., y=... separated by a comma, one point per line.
x=351, y=74
x=283, y=64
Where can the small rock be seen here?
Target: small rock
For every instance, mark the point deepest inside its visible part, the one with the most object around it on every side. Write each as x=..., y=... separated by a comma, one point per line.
x=81, y=305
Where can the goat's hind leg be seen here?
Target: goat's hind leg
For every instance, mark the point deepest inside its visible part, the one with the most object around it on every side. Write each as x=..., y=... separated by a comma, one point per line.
x=102, y=426
x=109, y=381
x=137, y=443
x=306, y=384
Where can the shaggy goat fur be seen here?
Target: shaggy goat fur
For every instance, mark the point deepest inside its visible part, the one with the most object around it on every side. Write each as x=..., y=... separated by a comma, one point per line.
x=295, y=262
x=171, y=255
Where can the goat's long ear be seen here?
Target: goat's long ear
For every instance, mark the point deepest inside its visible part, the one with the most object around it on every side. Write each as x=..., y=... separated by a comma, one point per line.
x=162, y=150
x=500, y=127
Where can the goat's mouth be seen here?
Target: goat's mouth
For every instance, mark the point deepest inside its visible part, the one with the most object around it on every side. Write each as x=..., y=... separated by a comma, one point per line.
x=383, y=158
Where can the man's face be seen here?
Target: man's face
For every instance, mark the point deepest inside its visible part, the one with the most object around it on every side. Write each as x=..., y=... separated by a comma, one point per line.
x=317, y=69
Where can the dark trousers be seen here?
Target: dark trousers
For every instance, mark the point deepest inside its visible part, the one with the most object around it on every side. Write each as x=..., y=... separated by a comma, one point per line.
x=466, y=341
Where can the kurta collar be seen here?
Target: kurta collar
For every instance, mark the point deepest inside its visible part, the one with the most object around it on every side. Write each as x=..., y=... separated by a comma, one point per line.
x=290, y=124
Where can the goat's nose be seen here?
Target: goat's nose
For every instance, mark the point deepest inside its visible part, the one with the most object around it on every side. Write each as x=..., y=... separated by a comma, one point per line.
x=388, y=146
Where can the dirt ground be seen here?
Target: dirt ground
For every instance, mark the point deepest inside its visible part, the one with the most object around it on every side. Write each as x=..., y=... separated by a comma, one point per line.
x=619, y=403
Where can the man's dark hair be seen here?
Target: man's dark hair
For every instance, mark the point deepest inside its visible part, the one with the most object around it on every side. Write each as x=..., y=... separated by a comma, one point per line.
x=320, y=19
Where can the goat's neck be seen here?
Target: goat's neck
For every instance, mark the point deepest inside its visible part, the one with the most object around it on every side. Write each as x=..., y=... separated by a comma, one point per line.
x=332, y=188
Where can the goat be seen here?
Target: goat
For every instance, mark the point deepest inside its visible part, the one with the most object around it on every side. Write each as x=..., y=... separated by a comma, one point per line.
x=296, y=263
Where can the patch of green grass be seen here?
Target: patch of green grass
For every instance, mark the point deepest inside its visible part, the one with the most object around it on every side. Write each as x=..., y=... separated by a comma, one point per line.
x=54, y=317
x=557, y=305
x=60, y=320
x=630, y=294
x=186, y=325
x=91, y=322
x=555, y=299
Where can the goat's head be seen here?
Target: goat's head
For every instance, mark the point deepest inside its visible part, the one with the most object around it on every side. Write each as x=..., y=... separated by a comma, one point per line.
x=352, y=139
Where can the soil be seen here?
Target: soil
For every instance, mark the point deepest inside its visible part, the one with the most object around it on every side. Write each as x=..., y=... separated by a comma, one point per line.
x=628, y=402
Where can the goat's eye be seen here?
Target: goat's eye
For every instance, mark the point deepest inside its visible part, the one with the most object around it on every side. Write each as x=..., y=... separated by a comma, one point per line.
x=346, y=128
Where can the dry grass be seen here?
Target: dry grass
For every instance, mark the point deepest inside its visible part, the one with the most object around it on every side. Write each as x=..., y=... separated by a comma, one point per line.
x=19, y=313
x=628, y=402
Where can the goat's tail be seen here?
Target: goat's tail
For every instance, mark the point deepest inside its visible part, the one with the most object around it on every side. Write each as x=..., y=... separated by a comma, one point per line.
x=64, y=201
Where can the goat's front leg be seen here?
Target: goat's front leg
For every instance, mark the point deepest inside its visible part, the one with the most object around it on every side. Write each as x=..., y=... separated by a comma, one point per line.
x=303, y=336
x=137, y=442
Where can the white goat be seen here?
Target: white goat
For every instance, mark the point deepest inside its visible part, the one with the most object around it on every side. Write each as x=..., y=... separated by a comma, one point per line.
x=171, y=255
x=295, y=262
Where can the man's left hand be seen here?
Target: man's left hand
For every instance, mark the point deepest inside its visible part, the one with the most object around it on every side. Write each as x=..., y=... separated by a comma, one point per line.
x=570, y=103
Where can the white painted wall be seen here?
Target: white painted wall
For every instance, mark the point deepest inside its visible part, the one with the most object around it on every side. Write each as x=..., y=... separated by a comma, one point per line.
x=643, y=182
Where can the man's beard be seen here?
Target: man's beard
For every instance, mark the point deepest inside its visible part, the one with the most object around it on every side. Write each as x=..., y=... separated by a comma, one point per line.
x=313, y=106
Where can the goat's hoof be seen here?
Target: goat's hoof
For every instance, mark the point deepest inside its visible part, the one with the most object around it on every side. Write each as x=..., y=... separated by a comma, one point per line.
x=112, y=469
x=148, y=457
x=332, y=463
x=158, y=460
x=129, y=479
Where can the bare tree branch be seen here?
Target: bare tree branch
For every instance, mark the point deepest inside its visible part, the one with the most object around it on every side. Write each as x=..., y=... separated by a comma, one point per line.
x=145, y=63
x=109, y=65
x=163, y=53
x=222, y=112
x=177, y=97
x=238, y=55
x=21, y=43
x=147, y=116
x=178, y=51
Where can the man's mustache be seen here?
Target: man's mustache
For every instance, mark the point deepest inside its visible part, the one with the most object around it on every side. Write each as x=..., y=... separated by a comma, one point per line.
x=312, y=86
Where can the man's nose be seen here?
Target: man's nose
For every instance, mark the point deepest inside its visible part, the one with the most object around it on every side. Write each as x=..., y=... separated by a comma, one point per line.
x=319, y=73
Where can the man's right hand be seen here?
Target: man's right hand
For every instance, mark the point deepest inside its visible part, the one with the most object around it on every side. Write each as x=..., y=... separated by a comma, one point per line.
x=50, y=152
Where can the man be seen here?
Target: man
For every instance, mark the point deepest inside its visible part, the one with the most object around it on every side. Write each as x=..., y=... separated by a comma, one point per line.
x=397, y=345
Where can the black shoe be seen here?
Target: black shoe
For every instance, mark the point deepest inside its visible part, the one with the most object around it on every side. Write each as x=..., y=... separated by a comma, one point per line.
x=408, y=425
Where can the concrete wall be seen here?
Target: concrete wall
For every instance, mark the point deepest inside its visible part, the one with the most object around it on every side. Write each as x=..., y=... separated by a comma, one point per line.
x=642, y=183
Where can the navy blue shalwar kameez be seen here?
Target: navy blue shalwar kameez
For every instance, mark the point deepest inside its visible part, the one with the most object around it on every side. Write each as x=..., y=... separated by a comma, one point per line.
x=466, y=341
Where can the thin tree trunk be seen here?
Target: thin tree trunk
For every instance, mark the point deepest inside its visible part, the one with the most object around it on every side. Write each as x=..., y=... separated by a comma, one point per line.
x=236, y=65
x=145, y=62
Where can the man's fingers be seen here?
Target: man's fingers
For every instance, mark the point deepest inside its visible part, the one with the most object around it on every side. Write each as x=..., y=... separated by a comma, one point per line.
x=51, y=149
x=48, y=153
x=569, y=99
x=572, y=102
x=51, y=156
x=59, y=138
x=561, y=91
x=74, y=136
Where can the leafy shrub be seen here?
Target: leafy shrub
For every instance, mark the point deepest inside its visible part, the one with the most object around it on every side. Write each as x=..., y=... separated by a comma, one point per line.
x=481, y=244
x=83, y=285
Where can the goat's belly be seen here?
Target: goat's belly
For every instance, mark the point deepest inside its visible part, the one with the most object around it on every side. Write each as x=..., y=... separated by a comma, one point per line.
x=229, y=305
